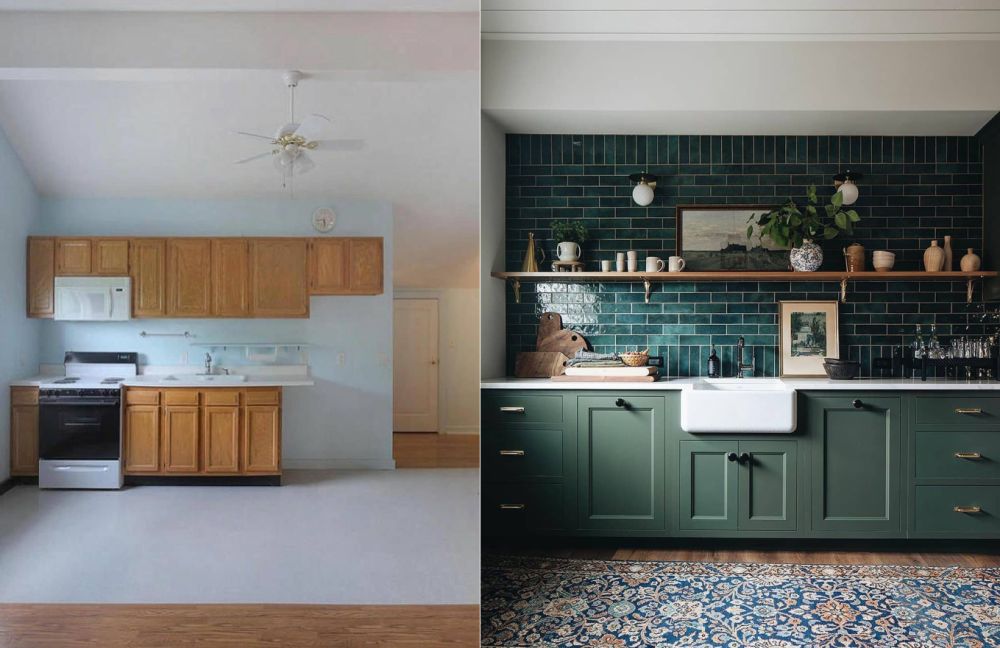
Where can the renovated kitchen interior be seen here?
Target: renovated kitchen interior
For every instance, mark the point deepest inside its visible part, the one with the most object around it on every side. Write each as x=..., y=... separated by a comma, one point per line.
x=740, y=337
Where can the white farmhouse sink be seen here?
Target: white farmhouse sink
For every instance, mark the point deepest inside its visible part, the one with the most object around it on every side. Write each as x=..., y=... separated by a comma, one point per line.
x=224, y=379
x=738, y=406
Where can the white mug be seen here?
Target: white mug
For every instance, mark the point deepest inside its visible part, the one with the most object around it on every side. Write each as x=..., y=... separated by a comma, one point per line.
x=654, y=264
x=605, y=266
x=676, y=264
x=620, y=262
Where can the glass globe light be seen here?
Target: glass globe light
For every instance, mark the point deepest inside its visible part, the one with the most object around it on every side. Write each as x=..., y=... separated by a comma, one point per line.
x=642, y=194
x=849, y=192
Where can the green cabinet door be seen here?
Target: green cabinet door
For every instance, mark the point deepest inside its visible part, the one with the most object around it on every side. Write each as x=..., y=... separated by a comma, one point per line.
x=856, y=463
x=620, y=456
x=768, y=485
x=709, y=483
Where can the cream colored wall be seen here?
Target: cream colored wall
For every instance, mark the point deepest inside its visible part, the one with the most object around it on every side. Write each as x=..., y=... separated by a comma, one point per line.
x=493, y=313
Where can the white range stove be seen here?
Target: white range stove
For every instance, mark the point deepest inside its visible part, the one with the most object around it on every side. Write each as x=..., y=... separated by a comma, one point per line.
x=80, y=421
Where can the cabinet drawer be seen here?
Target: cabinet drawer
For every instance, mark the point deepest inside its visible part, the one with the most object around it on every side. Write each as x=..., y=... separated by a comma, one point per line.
x=268, y=396
x=958, y=411
x=509, y=508
x=960, y=454
x=522, y=453
x=502, y=408
x=935, y=509
x=142, y=396
x=220, y=397
x=180, y=397
x=24, y=395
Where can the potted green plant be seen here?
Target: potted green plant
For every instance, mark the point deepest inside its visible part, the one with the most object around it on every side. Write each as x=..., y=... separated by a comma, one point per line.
x=570, y=235
x=789, y=226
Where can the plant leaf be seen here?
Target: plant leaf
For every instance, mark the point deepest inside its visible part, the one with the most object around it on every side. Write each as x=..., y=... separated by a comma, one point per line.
x=750, y=231
x=837, y=199
x=831, y=232
x=841, y=220
x=853, y=215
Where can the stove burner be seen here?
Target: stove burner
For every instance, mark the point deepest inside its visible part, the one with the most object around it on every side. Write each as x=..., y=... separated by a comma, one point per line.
x=65, y=381
x=111, y=381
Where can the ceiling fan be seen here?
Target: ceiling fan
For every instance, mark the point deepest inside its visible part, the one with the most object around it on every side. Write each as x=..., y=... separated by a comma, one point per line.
x=292, y=140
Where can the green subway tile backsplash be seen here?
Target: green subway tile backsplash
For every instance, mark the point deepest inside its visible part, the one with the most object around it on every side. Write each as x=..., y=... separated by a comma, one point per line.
x=915, y=189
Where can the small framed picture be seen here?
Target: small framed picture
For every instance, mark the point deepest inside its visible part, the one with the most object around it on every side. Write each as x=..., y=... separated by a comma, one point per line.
x=809, y=333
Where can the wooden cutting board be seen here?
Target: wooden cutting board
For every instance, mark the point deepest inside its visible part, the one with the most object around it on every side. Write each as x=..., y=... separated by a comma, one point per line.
x=604, y=378
x=539, y=364
x=553, y=337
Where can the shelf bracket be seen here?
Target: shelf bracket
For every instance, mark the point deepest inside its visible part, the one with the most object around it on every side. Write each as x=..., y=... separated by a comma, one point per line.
x=516, y=285
x=968, y=292
x=649, y=287
x=843, y=290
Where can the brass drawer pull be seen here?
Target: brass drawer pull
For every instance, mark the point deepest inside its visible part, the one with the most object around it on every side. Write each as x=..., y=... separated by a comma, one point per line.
x=512, y=507
x=968, y=410
x=968, y=509
x=512, y=453
x=513, y=409
x=974, y=456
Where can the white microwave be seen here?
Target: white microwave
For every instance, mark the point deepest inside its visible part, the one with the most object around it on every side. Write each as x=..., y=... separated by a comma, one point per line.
x=93, y=299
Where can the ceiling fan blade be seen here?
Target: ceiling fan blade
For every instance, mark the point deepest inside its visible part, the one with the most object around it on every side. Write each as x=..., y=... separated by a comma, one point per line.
x=253, y=157
x=312, y=127
x=340, y=145
x=263, y=137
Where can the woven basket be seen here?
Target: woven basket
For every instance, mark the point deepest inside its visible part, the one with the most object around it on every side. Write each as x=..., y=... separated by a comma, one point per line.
x=635, y=358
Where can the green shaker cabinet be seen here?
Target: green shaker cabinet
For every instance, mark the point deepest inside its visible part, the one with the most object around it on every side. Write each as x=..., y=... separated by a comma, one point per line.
x=621, y=462
x=856, y=464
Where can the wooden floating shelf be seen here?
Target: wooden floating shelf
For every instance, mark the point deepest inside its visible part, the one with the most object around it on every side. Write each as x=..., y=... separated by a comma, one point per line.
x=648, y=278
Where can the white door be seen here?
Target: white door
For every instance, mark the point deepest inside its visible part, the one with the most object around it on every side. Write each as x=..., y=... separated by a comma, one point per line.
x=415, y=365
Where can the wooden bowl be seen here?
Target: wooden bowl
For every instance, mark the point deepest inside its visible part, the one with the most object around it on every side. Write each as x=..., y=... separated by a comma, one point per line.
x=635, y=358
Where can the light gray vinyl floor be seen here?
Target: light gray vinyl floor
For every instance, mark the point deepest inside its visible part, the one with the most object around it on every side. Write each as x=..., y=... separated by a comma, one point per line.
x=344, y=537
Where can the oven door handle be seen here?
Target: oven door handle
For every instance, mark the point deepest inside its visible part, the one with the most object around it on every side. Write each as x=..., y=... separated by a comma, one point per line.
x=82, y=468
x=98, y=403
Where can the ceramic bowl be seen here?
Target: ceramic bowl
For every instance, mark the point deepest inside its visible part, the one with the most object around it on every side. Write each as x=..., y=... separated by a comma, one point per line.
x=842, y=370
x=883, y=260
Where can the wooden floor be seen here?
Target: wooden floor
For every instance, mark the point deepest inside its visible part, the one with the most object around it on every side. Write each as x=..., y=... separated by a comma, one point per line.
x=237, y=626
x=429, y=450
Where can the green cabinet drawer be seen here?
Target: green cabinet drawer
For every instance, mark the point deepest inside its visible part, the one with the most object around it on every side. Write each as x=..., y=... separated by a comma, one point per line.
x=978, y=510
x=959, y=454
x=502, y=408
x=522, y=453
x=512, y=508
x=954, y=411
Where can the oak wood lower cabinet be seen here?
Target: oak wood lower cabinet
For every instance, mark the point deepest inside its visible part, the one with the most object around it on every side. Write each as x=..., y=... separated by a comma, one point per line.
x=23, y=431
x=217, y=431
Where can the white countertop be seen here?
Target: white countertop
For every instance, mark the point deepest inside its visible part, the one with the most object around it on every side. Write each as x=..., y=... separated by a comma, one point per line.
x=255, y=380
x=800, y=384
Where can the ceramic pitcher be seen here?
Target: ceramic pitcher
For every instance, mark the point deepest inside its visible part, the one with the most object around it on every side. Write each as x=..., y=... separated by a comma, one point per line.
x=568, y=251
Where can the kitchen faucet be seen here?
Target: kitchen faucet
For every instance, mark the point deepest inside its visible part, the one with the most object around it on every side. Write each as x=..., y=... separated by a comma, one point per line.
x=208, y=363
x=740, y=367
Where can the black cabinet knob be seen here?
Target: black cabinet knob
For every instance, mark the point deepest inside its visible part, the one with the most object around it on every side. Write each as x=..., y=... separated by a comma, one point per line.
x=857, y=404
x=621, y=402
x=732, y=456
x=744, y=458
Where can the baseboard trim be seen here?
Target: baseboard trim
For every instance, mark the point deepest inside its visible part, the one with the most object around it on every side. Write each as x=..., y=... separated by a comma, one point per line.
x=11, y=482
x=198, y=480
x=338, y=464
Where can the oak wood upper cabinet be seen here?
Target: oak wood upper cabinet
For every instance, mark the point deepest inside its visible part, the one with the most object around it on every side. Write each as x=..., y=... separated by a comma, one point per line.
x=279, y=277
x=147, y=260
x=179, y=437
x=73, y=256
x=110, y=257
x=41, y=276
x=189, y=277
x=345, y=266
x=142, y=438
x=23, y=431
x=230, y=278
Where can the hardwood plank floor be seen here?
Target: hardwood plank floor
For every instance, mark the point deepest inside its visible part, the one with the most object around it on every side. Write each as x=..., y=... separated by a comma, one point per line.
x=238, y=626
x=430, y=450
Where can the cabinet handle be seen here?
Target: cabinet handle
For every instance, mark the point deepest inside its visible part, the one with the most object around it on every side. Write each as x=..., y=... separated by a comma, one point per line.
x=621, y=402
x=732, y=456
x=968, y=410
x=745, y=457
x=512, y=507
x=513, y=409
x=974, y=456
x=968, y=509
x=512, y=453
x=857, y=404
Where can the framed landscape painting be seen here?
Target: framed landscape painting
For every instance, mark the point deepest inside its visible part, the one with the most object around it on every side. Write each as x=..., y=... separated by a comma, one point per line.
x=714, y=238
x=808, y=334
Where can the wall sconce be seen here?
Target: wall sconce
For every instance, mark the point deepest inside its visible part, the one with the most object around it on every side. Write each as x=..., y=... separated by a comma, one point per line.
x=845, y=182
x=643, y=192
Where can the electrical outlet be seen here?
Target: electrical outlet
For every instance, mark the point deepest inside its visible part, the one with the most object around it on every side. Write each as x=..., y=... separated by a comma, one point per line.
x=341, y=358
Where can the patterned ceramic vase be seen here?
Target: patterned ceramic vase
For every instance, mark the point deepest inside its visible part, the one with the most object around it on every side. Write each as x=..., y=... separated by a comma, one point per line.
x=807, y=258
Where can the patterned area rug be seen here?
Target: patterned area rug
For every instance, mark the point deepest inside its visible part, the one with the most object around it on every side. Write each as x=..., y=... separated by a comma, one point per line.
x=614, y=604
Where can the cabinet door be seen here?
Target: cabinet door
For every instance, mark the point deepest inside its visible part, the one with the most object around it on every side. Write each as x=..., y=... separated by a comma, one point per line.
x=230, y=280
x=220, y=435
x=278, y=278
x=180, y=438
x=328, y=263
x=189, y=277
x=262, y=439
x=41, y=277
x=111, y=257
x=856, y=463
x=365, y=266
x=24, y=440
x=620, y=456
x=768, y=485
x=73, y=257
x=709, y=484
x=147, y=260
x=142, y=438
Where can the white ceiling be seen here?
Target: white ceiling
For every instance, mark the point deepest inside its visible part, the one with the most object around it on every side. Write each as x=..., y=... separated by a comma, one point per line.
x=240, y=5
x=146, y=114
x=890, y=67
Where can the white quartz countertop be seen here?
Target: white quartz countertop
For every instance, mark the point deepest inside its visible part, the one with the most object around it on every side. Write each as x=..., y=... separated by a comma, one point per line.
x=801, y=384
x=257, y=380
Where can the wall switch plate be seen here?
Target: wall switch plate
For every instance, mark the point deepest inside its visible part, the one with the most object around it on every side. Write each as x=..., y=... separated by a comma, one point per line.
x=341, y=358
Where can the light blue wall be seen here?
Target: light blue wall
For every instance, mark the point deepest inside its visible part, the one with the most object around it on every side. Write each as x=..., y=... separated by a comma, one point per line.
x=19, y=341
x=345, y=420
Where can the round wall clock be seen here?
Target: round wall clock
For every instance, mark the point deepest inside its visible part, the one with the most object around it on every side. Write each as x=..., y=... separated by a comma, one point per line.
x=324, y=219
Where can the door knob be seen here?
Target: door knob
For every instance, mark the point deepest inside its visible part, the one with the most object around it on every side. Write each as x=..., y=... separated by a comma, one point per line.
x=857, y=404
x=744, y=458
x=621, y=402
x=732, y=457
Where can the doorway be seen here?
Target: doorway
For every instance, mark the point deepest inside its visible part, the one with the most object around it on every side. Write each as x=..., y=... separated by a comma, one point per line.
x=415, y=365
